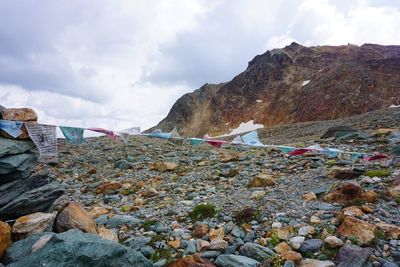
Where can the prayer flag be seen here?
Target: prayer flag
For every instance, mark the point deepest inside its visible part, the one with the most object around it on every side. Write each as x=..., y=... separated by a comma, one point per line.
x=73, y=134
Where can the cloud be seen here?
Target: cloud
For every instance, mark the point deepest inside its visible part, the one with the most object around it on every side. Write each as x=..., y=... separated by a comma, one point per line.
x=117, y=64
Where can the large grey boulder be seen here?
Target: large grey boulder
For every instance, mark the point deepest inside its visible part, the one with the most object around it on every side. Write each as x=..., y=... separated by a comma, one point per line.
x=74, y=248
x=231, y=260
x=353, y=256
x=25, y=196
x=16, y=159
x=256, y=251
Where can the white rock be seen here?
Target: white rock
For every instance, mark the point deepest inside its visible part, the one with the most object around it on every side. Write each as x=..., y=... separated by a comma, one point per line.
x=276, y=225
x=306, y=230
x=333, y=241
x=295, y=242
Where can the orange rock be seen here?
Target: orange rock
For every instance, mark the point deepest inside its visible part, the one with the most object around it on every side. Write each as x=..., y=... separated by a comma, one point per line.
x=391, y=231
x=282, y=247
x=370, y=196
x=32, y=224
x=283, y=232
x=19, y=114
x=363, y=231
x=227, y=157
x=352, y=211
x=367, y=209
x=107, y=234
x=5, y=237
x=175, y=243
x=192, y=261
x=73, y=216
x=262, y=180
x=200, y=230
x=292, y=256
x=97, y=211
x=163, y=166
x=108, y=187
x=309, y=196
x=348, y=192
x=217, y=234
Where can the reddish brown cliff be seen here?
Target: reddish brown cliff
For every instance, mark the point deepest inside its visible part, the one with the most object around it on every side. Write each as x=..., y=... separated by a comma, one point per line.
x=274, y=89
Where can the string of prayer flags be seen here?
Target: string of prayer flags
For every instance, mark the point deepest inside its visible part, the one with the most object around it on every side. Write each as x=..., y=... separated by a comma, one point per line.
x=110, y=134
x=214, y=143
x=44, y=137
x=13, y=128
x=73, y=134
x=196, y=141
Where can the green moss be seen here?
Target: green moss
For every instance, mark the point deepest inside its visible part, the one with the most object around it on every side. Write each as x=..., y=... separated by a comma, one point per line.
x=377, y=173
x=379, y=235
x=397, y=199
x=202, y=211
x=125, y=208
x=147, y=224
x=275, y=240
x=247, y=215
x=330, y=162
x=273, y=261
x=156, y=238
x=354, y=240
x=328, y=252
x=162, y=253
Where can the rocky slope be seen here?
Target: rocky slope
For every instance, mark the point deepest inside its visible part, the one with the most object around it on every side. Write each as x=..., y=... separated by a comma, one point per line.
x=293, y=84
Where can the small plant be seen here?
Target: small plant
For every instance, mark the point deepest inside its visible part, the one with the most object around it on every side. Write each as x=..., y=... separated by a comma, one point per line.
x=328, y=252
x=397, y=199
x=202, y=211
x=275, y=240
x=247, y=215
x=156, y=238
x=377, y=173
x=273, y=261
x=330, y=162
x=162, y=253
x=147, y=224
x=379, y=235
x=125, y=208
x=354, y=240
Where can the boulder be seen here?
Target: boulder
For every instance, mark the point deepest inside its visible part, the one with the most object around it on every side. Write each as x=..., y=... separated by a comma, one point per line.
x=73, y=216
x=255, y=251
x=74, y=248
x=5, y=237
x=19, y=114
x=292, y=256
x=16, y=159
x=390, y=230
x=200, y=229
x=33, y=224
x=348, y=192
x=363, y=231
x=310, y=245
x=344, y=173
x=120, y=220
x=25, y=196
x=225, y=260
x=353, y=256
x=262, y=180
x=333, y=241
x=163, y=166
x=192, y=261
x=107, y=234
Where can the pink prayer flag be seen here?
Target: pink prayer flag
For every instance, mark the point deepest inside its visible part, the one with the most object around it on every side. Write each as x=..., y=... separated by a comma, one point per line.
x=110, y=134
x=215, y=143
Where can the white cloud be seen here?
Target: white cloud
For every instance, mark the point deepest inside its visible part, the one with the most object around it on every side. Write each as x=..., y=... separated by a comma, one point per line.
x=117, y=64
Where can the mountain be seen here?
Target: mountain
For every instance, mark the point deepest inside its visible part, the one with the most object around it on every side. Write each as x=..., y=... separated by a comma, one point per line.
x=293, y=84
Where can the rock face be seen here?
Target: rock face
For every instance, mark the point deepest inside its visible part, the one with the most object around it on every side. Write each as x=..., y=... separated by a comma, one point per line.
x=73, y=248
x=25, y=196
x=293, y=84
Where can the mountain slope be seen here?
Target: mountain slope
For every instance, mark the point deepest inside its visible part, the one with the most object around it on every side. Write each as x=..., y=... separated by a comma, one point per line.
x=293, y=84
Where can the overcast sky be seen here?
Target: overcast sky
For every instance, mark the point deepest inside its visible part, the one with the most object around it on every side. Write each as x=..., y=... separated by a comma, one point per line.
x=116, y=63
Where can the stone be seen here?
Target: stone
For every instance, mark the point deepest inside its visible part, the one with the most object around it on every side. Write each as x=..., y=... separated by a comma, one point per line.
x=310, y=245
x=315, y=219
x=292, y=256
x=257, y=195
x=282, y=247
x=316, y=263
x=136, y=242
x=177, y=243
x=163, y=166
x=390, y=230
x=218, y=244
x=235, y=261
x=122, y=165
x=107, y=234
x=5, y=237
x=216, y=234
x=309, y=196
x=73, y=216
x=108, y=187
x=200, y=229
x=41, y=242
x=344, y=173
x=62, y=249
x=352, y=256
x=296, y=242
x=120, y=220
x=33, y=194
x=255, y=251
x=348, y=192
x=262, y=180
x=395, y=191
x=333, y=241
x=283, y=232
x=363, y=231
x=97, y=211
x=192, y=261
x=32, y=224
x=306, y=230
x=352, y=211
x=19, y=114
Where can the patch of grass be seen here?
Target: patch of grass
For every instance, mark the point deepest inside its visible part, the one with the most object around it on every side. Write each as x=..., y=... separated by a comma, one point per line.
x=329, y=252
x=156, y=238
x=247, y=215
x=354, y=240
x=125, y=208
x=162, y=253
x=377, y=173
x=202, y=211
x=147, y=224
x=379, y=235
x=275, y=240
x=330, y=163
x=397, y=199
x=273, y=261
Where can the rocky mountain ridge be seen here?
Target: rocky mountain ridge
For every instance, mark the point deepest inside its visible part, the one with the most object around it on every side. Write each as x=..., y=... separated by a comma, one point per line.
x=293, y=84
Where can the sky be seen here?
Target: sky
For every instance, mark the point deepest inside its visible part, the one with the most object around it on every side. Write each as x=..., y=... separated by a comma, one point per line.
x=123, y=63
